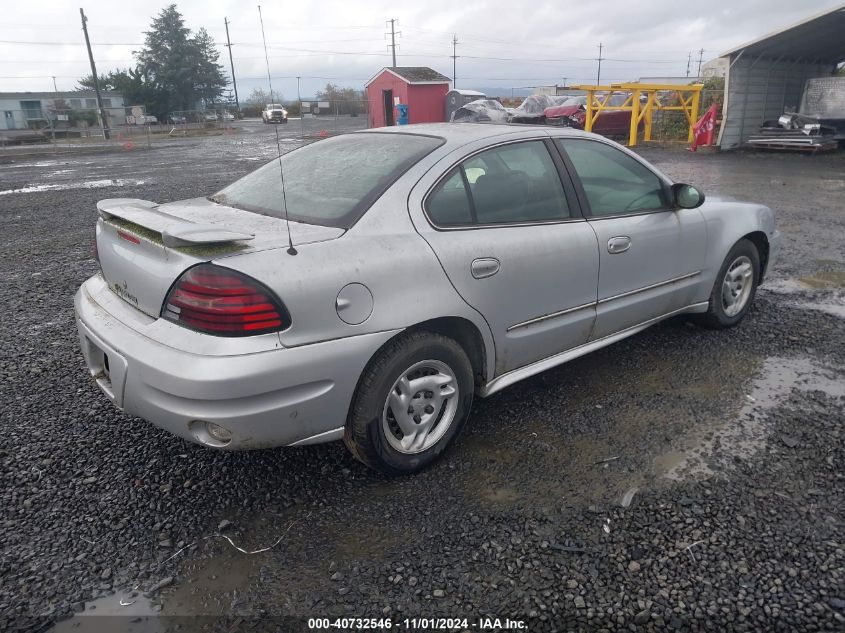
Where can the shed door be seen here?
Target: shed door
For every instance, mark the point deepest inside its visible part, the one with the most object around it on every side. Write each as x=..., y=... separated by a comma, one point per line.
x=388, y=107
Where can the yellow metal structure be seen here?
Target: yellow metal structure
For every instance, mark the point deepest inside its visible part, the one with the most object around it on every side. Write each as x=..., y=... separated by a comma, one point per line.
x=598, y=99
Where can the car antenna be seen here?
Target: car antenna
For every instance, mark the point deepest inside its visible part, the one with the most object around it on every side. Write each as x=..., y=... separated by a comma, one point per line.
x=291, y=249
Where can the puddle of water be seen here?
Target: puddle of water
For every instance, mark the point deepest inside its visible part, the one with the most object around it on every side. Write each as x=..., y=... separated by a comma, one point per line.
x=785, y=286
x=88, y=184
x=745, y=433
x=836, y=309
x=211, y=585
x=832, y=184
x=825, y=279
x=112, y=613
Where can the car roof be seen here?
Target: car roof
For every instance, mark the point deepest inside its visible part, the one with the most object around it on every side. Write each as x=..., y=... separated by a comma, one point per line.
x=465, y=132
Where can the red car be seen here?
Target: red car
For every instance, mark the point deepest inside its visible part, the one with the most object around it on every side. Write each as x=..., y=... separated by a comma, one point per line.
x=573, y=113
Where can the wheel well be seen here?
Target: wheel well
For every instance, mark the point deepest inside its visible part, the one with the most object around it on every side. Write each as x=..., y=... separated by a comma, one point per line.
x=465, y=334
x=759, y=239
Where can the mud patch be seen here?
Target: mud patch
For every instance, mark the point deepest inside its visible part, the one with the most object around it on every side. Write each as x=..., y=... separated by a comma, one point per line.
x=585, y=447
x=745, y=434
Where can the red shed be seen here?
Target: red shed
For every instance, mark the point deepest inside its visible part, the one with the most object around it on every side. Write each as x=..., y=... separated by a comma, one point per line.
x=421, y=88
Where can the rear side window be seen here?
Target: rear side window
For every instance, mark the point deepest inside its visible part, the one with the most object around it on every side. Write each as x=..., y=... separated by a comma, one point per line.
x=330, y=182
x=614, y=182
x=449, y=204
x=514, y=183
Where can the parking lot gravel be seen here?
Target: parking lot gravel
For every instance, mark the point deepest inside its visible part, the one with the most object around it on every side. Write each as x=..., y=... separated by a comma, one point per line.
x=682, y=479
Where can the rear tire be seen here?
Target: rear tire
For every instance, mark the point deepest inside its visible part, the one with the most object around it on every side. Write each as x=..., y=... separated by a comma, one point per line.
x=735, y=287
x=412, y=400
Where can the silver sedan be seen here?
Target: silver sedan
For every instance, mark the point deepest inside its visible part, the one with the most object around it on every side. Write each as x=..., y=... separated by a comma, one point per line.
x=366, y=287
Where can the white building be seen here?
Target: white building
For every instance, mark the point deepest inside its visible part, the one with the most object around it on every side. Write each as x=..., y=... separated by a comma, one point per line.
x=715, y=68
x=35, y=110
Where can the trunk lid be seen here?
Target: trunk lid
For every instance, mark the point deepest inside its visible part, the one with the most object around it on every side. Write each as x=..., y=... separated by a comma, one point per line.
x=143, y=247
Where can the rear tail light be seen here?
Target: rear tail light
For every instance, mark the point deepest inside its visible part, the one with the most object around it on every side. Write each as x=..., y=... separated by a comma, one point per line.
x=220, y=301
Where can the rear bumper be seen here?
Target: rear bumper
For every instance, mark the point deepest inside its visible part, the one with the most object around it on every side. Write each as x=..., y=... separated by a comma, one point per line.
x=277, y=397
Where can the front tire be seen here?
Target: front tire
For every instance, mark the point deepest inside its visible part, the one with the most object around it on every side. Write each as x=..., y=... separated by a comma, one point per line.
x=735, y=287
x=412, y=401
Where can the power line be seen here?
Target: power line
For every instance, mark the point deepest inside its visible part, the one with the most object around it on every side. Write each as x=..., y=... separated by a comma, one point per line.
x=69, y=43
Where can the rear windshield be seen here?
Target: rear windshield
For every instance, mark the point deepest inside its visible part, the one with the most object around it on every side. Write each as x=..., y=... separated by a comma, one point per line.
x=330, y=182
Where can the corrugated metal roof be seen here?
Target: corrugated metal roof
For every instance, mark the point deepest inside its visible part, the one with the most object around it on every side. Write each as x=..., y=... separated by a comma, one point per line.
x=820, y=38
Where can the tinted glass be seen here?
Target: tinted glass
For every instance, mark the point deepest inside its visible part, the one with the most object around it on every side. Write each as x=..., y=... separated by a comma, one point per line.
x=516, y=183
x=614, y=182
x=448, y=205
x=330, y=182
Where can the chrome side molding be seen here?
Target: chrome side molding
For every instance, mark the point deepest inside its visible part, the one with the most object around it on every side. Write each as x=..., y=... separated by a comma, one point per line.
x=559, y=313
x=650, y=287
x=546, y=317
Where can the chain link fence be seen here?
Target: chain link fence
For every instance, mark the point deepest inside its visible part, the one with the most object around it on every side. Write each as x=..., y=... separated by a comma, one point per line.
x=131, y=125
x=672, y=126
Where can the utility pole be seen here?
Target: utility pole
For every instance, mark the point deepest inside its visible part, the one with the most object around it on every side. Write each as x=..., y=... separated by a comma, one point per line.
x=700, y=59
x=103, y=119
x=454, y=62
x=299, y=106
x=598, y=76
x=393, y=34
x=689, y=59
x=232, y=64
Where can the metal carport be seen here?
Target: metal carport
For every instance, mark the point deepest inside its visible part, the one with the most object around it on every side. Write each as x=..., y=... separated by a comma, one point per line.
x=767, y=75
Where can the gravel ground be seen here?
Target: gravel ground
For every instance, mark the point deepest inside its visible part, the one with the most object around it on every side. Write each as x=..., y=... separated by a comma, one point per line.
x=681, y=479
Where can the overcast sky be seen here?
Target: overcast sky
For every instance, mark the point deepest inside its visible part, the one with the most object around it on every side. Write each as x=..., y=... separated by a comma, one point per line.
x=502, y=44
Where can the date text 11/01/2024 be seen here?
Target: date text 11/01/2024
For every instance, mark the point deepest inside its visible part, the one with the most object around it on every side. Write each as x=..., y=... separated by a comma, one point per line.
x=432, y=624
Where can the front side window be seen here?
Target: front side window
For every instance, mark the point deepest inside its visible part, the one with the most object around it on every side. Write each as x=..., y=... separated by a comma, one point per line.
x=614, y=182
x=330, y=182
x=513, y=183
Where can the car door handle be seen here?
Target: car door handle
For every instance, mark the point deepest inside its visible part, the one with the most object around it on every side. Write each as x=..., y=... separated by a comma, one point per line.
x=618, y=244
x=484, y=267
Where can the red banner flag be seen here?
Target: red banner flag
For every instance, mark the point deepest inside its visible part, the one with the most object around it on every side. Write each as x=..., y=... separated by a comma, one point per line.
x=705, y=127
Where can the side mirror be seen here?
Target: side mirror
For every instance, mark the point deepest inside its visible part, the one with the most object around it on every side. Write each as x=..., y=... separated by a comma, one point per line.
x=687, y=196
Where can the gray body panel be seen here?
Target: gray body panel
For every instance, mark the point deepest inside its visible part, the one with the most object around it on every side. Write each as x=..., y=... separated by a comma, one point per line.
x=666, y=251
x=537, y=295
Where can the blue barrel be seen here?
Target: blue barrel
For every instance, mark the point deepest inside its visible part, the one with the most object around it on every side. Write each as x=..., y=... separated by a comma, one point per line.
x=402, y=109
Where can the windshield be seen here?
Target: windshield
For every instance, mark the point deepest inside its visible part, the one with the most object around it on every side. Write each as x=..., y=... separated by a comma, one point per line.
x=330, y=182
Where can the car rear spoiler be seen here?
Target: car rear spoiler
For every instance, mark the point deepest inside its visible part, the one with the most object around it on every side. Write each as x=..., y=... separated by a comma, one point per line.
x=174, y=231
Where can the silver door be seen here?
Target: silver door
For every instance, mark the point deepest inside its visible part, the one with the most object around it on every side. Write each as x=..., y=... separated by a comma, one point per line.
x=530, y=268
x=651, y=255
